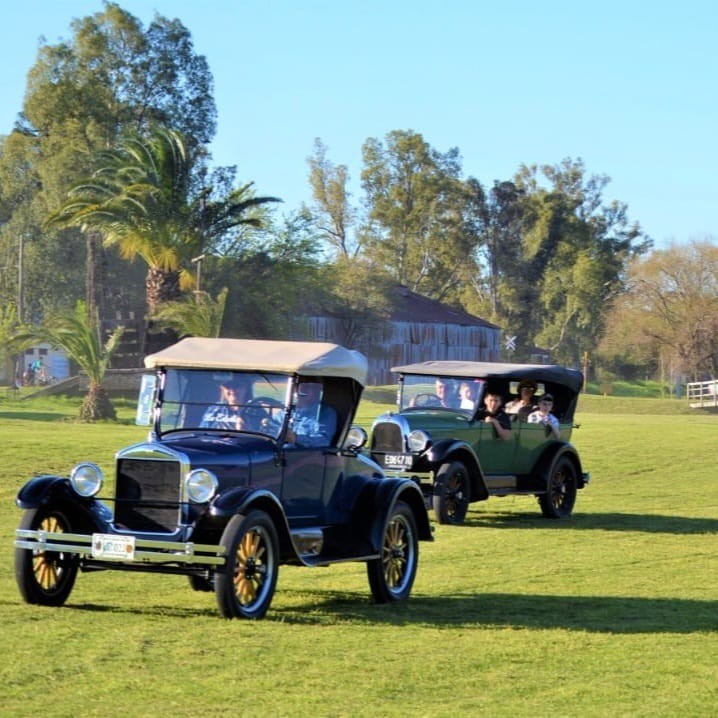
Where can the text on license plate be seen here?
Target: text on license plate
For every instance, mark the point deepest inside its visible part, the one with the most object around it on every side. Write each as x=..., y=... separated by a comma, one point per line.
x=110, y=546
x=398, y=461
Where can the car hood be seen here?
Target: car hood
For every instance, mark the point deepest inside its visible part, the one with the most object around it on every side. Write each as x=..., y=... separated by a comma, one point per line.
x=426, y=419
x=217, y=448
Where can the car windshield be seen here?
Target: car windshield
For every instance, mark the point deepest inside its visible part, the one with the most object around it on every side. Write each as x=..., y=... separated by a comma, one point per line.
x=440, y=392
x=223, y=401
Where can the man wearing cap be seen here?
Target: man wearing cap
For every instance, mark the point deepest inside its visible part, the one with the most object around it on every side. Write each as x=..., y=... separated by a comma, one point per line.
x=314, y=423
x=227, y=413
x=523, y=404
x=544, y=416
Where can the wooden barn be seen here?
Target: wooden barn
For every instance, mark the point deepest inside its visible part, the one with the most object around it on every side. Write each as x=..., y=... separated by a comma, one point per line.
x=418, y=329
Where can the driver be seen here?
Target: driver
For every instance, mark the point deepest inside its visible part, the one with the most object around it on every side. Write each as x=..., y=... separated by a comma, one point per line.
x=446, y=391
x=227, y=413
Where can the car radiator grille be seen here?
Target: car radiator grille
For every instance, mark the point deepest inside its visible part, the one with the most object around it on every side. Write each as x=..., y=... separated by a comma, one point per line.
x=147, y=495
x=387, y=437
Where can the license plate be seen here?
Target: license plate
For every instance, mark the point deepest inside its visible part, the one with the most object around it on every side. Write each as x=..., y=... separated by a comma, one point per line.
x=398, y=461
x=112, y=547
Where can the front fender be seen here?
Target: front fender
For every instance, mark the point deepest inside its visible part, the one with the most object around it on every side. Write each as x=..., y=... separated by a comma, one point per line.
x=86, y=514
x=453, y=450
x=42, y=489
x=242, y=500
x=388, y=492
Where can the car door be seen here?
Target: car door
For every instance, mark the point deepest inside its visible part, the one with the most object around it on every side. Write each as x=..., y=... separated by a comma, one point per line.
x=531, y=440
x=310, y=476
x=496, y=455
x=302, y=485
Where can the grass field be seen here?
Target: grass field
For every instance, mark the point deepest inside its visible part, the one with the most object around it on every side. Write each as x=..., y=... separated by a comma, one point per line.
x=611, y=613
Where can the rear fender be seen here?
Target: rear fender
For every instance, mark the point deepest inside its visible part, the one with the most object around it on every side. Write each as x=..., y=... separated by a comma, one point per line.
x=551, y=455
x=448, y=450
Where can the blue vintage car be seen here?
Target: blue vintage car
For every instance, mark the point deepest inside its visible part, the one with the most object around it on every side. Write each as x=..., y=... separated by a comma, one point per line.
x=251, y=462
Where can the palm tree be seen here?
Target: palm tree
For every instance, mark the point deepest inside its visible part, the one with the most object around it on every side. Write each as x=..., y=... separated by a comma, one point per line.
x=77, y=335
x=200, y=316
x=9, y=347
x=142, y=200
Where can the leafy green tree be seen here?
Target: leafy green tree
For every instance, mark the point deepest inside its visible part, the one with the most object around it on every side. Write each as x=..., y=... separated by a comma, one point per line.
x=670, y=306
x=357, y=294
x=416, y=207
x=9, y=346
x=271, y=280
x=494, y=219
x=335, y=215
x=575, y=251
x=78, y=337
x=198, y=316
x=112, y=75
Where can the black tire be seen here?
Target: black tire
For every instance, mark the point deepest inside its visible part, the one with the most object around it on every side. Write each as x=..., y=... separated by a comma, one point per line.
x=45, y=577
x=245, y=587
x=560, y=496
x=200, y=583
x=451, y=493
x=392, y=575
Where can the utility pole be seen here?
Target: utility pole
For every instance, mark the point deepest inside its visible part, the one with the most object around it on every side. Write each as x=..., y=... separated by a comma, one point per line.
x=198, y=262
x=20, y=359
x=20, y=272
x=585, y=370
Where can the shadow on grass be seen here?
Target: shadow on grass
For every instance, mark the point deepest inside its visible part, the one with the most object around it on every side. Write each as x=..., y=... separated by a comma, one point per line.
x=648, y=523
x=49, y=416
x=34, y=415
x=595, y=614
x=598, y=614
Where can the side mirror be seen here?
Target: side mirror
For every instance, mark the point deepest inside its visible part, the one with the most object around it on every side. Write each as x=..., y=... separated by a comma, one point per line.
x=146, y=399
x=356, y=439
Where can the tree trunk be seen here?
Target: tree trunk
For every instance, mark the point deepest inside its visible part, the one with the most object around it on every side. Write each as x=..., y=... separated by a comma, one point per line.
x=97, y=405
x=160, y=287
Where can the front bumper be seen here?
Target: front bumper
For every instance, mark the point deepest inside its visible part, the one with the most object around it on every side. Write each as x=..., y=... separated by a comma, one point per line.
x=144, y=551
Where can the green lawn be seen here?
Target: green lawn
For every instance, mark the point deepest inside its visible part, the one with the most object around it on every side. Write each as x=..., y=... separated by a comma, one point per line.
x=612, y=613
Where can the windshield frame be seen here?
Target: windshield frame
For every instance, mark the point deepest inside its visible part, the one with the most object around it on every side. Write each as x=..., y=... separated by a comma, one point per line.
x=186, y=395
x=426, y=389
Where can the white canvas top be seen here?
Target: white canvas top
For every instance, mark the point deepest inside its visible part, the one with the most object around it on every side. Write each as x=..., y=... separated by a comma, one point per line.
x=285, y=357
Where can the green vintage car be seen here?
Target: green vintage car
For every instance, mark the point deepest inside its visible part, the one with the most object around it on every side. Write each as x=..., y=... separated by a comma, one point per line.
x=440, y=437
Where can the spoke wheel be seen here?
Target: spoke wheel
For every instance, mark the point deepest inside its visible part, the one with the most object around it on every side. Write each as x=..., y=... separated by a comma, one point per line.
x=392, y=575
x=45, y=577
x=451, y=493
x=560, y=496
x=246, y=586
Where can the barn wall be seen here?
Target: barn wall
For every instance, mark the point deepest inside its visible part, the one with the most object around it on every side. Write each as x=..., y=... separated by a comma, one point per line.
x=397, y=343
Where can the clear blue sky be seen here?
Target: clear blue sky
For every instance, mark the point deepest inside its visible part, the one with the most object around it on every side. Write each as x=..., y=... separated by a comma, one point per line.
x=630, y=87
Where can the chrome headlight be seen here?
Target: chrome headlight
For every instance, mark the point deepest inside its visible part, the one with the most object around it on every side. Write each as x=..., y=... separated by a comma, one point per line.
x=87, y=479
x=356, y=438
x=201, y=485
x=418, y=440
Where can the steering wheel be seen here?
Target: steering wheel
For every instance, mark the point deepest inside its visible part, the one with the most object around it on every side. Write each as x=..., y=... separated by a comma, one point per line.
x=261, y=408
x=426, y=400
